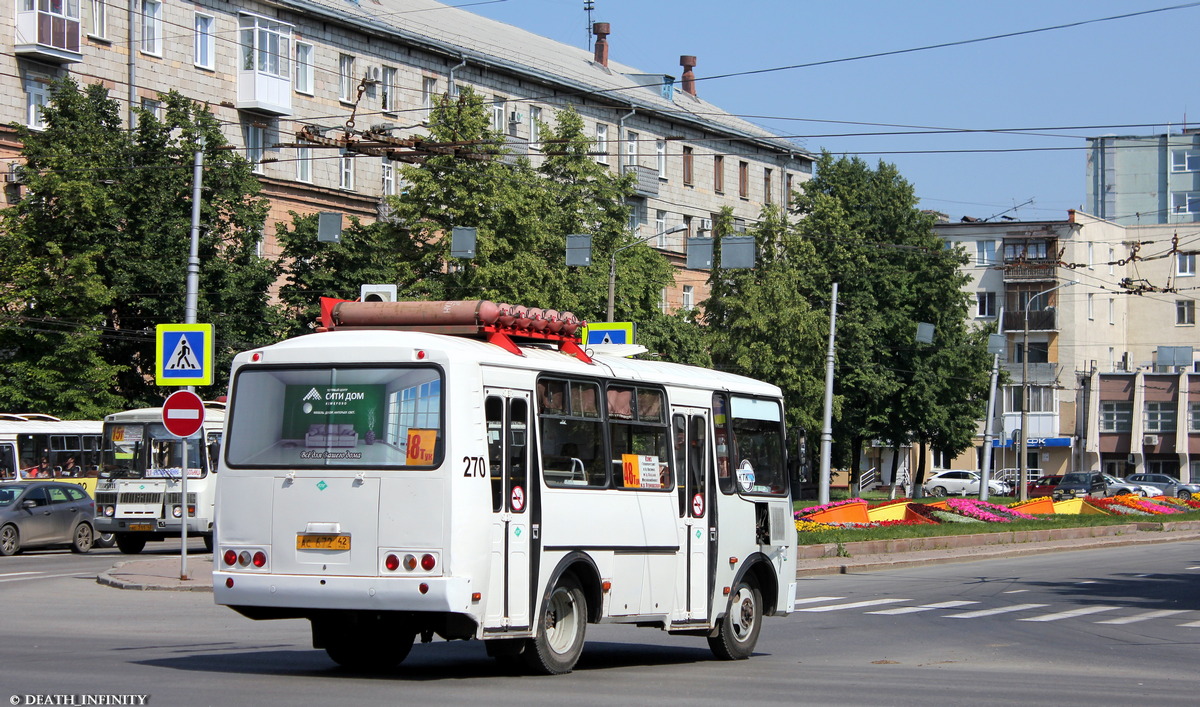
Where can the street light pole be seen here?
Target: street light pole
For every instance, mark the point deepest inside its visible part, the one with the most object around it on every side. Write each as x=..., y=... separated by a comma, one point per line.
x=1023, y=461
x=612, y=264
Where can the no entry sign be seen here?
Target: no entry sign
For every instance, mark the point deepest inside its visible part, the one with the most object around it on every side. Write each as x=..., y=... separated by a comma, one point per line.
x=183, y=413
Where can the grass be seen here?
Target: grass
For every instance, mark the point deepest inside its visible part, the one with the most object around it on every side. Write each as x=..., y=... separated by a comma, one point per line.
x=845, y=535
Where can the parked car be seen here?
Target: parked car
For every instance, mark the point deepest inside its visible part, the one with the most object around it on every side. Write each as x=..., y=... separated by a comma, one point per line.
x=1116, y=486
x=1043, y=486
x=45, y=513
x=1169, y=485
x=961, y=483
x=1081, y=483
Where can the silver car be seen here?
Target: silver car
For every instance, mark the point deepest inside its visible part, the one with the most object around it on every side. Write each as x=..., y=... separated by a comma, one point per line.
x=45, y=513
x=1169, y=485
x=1116, y=486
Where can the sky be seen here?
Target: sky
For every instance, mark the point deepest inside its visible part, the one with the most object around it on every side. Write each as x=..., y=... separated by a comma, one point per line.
x=1047, y=90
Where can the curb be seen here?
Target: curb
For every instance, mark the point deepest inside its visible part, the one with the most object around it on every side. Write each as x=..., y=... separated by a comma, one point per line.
x=149, y=582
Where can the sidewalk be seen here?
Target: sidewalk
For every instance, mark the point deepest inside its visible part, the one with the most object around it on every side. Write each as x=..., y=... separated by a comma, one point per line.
x=162, y=573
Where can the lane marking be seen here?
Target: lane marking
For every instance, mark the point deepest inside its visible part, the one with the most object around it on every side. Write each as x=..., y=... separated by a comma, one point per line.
x=48, y=576
x=1144, y=616
x=1015, y=591
x=992, y=612
x=1071, y=613
x=813, y=600
x=1191, y=624
x=923, y=607
x=1088, y=581
x=14, y=574
x=853, y=605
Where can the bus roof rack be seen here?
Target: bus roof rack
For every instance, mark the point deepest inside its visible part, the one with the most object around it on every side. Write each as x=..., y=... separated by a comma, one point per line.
x=498, y=323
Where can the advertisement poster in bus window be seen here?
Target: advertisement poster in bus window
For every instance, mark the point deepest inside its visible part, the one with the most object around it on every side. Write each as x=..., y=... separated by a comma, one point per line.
x=640, y=471
x=332, y=412
x=419, y=450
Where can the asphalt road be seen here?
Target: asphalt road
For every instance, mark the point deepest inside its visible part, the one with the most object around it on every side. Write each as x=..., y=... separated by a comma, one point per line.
x=1115, y=626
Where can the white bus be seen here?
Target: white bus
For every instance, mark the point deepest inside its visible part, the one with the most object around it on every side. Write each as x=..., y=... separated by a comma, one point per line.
x=384, y=483
x=138, y=494
x=42, y=446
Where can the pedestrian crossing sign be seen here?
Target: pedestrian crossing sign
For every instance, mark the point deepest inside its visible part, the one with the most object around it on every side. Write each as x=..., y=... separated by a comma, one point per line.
x=184, y=354
x=607, y=333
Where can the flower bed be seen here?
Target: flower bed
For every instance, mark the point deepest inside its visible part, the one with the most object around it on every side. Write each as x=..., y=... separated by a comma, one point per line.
x=952, y=517
x=1077, y=506
x=853, y=510
x=988, y=512
x=1040, y=506
x=808, y=526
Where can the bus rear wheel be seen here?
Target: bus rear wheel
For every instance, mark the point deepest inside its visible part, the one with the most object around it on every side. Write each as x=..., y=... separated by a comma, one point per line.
x=562, y=623
x=738, y=631
x=130, y=544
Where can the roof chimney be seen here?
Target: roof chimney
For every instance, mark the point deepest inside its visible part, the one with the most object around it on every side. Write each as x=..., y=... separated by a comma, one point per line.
x=689, y=79
x=601, y=30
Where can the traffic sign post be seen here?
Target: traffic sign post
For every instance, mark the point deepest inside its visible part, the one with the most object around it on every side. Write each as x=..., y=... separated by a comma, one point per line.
x=184, y=354
x=183, y=416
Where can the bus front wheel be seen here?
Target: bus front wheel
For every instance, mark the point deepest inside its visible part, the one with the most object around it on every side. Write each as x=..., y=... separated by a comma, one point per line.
x=562, y=623
x=738, y=630
x=130, y=544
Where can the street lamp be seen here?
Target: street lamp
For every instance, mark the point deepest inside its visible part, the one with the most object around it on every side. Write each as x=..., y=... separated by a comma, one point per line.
x=1022, y=478
x=612, y=266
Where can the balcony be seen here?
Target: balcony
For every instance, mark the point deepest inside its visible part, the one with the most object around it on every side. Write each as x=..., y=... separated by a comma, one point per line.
x=1039, y=320
x=1039, y=373
x=1025, y=270
x=264, y=73
x=647, y=179
x=48, y=30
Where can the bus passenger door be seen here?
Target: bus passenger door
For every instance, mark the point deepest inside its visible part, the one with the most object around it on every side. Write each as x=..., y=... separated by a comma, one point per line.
x=692, y=453
x=507, y=419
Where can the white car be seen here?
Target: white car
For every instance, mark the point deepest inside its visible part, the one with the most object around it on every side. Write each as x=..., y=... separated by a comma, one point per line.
x=961, y=483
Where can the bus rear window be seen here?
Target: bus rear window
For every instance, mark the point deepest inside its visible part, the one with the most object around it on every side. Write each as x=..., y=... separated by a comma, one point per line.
x=299, y=418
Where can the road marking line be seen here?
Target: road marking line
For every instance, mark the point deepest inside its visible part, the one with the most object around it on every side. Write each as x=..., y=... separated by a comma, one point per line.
x=1191, y=624
x=853, y=605
x=14, y=574
x=1015, y=591
x=48, y=576
x=813, y=600
x=923, y=607
x=1087, y=581
x=1196, y=567
x=1145, y=616
x=1072, y=613
x=993, y=612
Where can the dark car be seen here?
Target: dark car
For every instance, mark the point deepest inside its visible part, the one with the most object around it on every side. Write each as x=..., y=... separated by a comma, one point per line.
x=1080, y=483
x=1043, y=486
x=43, y=514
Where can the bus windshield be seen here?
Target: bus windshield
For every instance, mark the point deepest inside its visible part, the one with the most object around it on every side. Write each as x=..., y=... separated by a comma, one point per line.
x=145, y=450
x=321, y=417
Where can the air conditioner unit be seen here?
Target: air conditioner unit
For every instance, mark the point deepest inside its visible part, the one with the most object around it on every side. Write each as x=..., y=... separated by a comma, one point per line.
x=11, y=175
x=1149, y=440
x=705, y=224
x=372, y=74
x=516, y=117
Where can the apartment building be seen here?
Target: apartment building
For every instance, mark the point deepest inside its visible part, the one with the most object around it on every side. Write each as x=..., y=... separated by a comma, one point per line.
x=1108, y=313
x=1145, y=179
x=268, y=68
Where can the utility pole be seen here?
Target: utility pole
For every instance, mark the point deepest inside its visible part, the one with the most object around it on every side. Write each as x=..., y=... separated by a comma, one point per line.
x=189, y=317
x=827, y=415
x=1023, y=461
x=989, y=434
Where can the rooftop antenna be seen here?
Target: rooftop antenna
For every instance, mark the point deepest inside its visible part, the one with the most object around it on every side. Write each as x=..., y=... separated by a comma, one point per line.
x=588, y=7
x=1014, y=208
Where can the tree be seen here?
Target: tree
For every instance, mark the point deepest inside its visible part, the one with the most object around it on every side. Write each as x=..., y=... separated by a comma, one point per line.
x=101, y=238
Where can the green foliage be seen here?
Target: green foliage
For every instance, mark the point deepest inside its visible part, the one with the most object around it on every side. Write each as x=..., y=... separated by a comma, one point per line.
x=675, y=337
x=100, y=241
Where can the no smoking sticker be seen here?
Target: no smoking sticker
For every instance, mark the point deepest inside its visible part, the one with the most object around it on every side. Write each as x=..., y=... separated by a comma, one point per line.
x=518, y=499
x=698, y=505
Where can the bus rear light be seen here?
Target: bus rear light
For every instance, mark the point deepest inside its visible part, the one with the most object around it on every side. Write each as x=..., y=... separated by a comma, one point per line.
x=229, y=582
x=260, y=558
x=229, y=557
x=392, y=563
x=256, y=357
x=476, y=597
x=244, y=558
x=424, y=588
x=420, y=355
x=428, y=562
x=410, y=562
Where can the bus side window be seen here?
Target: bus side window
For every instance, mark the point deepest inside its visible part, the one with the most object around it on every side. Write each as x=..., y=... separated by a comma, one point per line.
x=723, y=442
x=493, y=411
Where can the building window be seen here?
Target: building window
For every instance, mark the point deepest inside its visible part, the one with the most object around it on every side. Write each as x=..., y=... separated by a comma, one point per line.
x=1185, y=202
x=388, y=173
x=687, y=223
x=346, y=170
x=1039, y=352
x=37, y=96
x=152, y=27
x=497, y=109
x=744, y=179
x=1193, y=417
x=688, y=166
x=719, y=174
x=660, y=227
x=1112, y=260
x=153, y=107
x=602, y=143
x=304, y=164
x=631, y=148
x=660, y=158
x=689, y=298
x=204, y=49
x=389, y=97
x=266, y=46
x=1116, y=416
x=535, y=125
x=304, y=68
x=766, y=186
x=1185, y=264
x=346, y=85
x=1112, y=311
x=1025, y=250
x=985, y=253
x=428, y=91
x=1160, y=416
x=985, y=304
x=1185, y=161
x=99, y=27
x=1091, y=306
x=787, y=194
x=1041, y=398
x=256, y=140
x=1091, y=255
x=662, y=300
x=1185, y=312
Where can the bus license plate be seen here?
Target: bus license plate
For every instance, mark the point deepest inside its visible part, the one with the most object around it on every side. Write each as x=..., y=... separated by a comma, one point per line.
x=141, y=526
x=322, y=542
